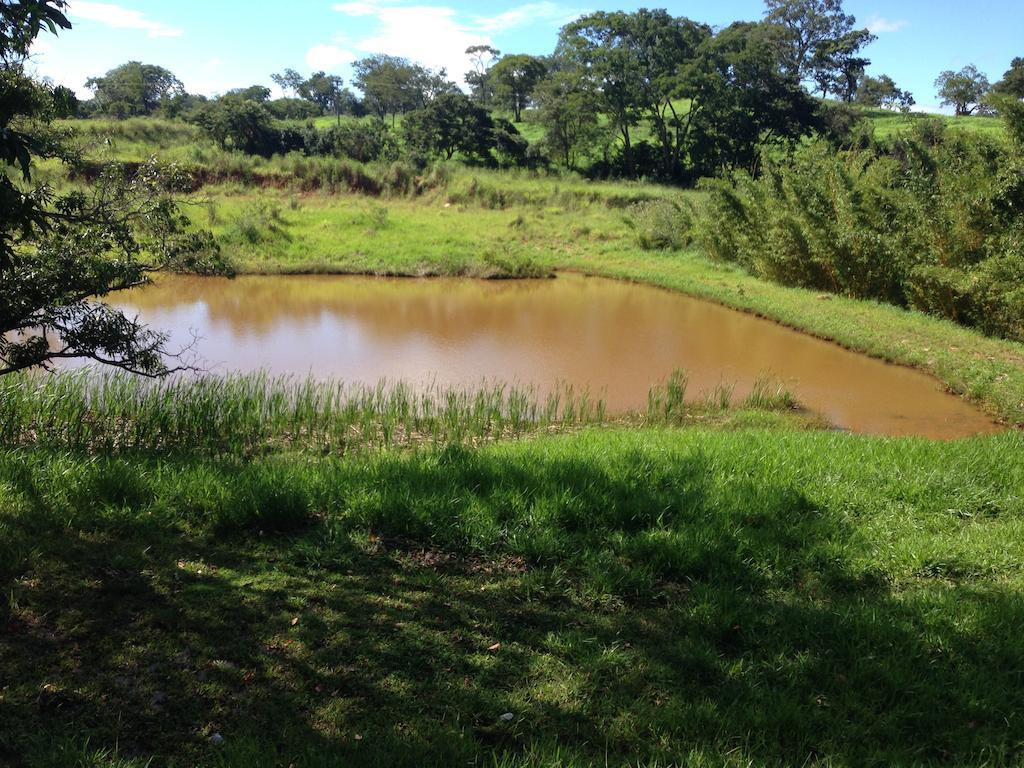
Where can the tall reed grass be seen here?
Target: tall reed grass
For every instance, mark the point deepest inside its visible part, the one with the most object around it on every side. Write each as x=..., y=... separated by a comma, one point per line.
x=249, y=413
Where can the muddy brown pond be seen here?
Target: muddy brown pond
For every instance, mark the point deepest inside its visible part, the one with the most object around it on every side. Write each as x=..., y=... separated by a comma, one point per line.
x=615, y=339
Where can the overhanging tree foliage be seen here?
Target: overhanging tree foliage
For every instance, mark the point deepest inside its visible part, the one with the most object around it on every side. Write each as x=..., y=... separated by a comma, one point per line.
x=58, y=252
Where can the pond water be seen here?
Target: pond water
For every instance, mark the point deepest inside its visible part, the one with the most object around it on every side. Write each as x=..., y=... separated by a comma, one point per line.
x=616, y=339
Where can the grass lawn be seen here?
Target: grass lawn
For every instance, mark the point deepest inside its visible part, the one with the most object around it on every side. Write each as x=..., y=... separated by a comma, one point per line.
x=642, y=597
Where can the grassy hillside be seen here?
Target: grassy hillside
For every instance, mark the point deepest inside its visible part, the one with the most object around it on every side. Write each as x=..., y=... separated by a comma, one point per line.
x=887, y=124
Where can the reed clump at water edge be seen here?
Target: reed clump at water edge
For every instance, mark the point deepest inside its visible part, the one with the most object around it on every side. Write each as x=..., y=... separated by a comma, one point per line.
x=243, y=414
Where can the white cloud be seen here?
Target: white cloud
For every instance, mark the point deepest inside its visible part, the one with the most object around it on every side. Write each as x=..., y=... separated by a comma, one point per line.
x=879, y=25
x=121, y=18
x=357, y=9
x=328, y=57
x=531, y=13
x=433, y=35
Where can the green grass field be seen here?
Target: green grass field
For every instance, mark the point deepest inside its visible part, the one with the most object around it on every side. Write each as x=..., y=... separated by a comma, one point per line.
x=888, y=124
x=644, y=598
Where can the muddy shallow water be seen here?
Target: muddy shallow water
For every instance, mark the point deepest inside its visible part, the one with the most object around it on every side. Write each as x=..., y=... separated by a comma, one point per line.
x=617, y=339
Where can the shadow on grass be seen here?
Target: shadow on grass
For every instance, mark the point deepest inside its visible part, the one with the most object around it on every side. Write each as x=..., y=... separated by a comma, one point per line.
x=388, y=635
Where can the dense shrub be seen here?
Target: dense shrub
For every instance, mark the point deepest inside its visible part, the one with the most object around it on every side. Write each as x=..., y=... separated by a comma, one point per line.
x=365, y=141
x=930, y=220
x=661, y=224
x=293, y=109
x=246, y=126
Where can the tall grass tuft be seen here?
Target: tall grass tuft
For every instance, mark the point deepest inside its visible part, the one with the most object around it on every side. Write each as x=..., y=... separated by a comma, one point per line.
x=252, y=413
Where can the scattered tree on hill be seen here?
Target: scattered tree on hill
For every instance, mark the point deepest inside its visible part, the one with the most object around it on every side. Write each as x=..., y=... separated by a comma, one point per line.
x=392, y=85
x=567, y=110
x=836, y=67
x=810, y=32
x=293, y=109
x=289, y=82
x=743, y=102
x=1013, y=81
x=515, y=78
x=963, y=90
x=134, y=89
x=58, y=252
x=325, y=91
x=236, y=123
x=448, y=124
x=883, y=92
x=478, y=80
x=258, y=93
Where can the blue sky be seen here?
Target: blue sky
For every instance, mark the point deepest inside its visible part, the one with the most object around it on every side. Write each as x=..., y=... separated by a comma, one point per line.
x=214, y=45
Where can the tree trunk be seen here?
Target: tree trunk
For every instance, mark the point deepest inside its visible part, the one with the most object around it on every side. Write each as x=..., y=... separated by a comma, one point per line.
x=627, y=152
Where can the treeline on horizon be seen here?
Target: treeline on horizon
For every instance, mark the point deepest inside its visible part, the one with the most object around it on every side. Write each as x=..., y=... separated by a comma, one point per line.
x=635, y=95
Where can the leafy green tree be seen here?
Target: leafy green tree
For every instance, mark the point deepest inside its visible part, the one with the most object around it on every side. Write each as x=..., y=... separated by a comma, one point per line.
x=743, y=102
x=134, y=89
x=450, y=123
x=60, y=253
x=815, y=38
x=663, y=45
x=65, y=102
x=1011, y=110
x=634, y=63
x=567, y=109
x=240, y=124
x=258, y=93
x=292, y=109
x=325, y=91
x=597, y=47
x=1013, y=81
x=509, y=146
x=837, y=68
x=514, y=78
x=478, y=78
x=392, y=85
x=289, y=82
x=362, y=140
x=963, y=90
x=883, y=92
